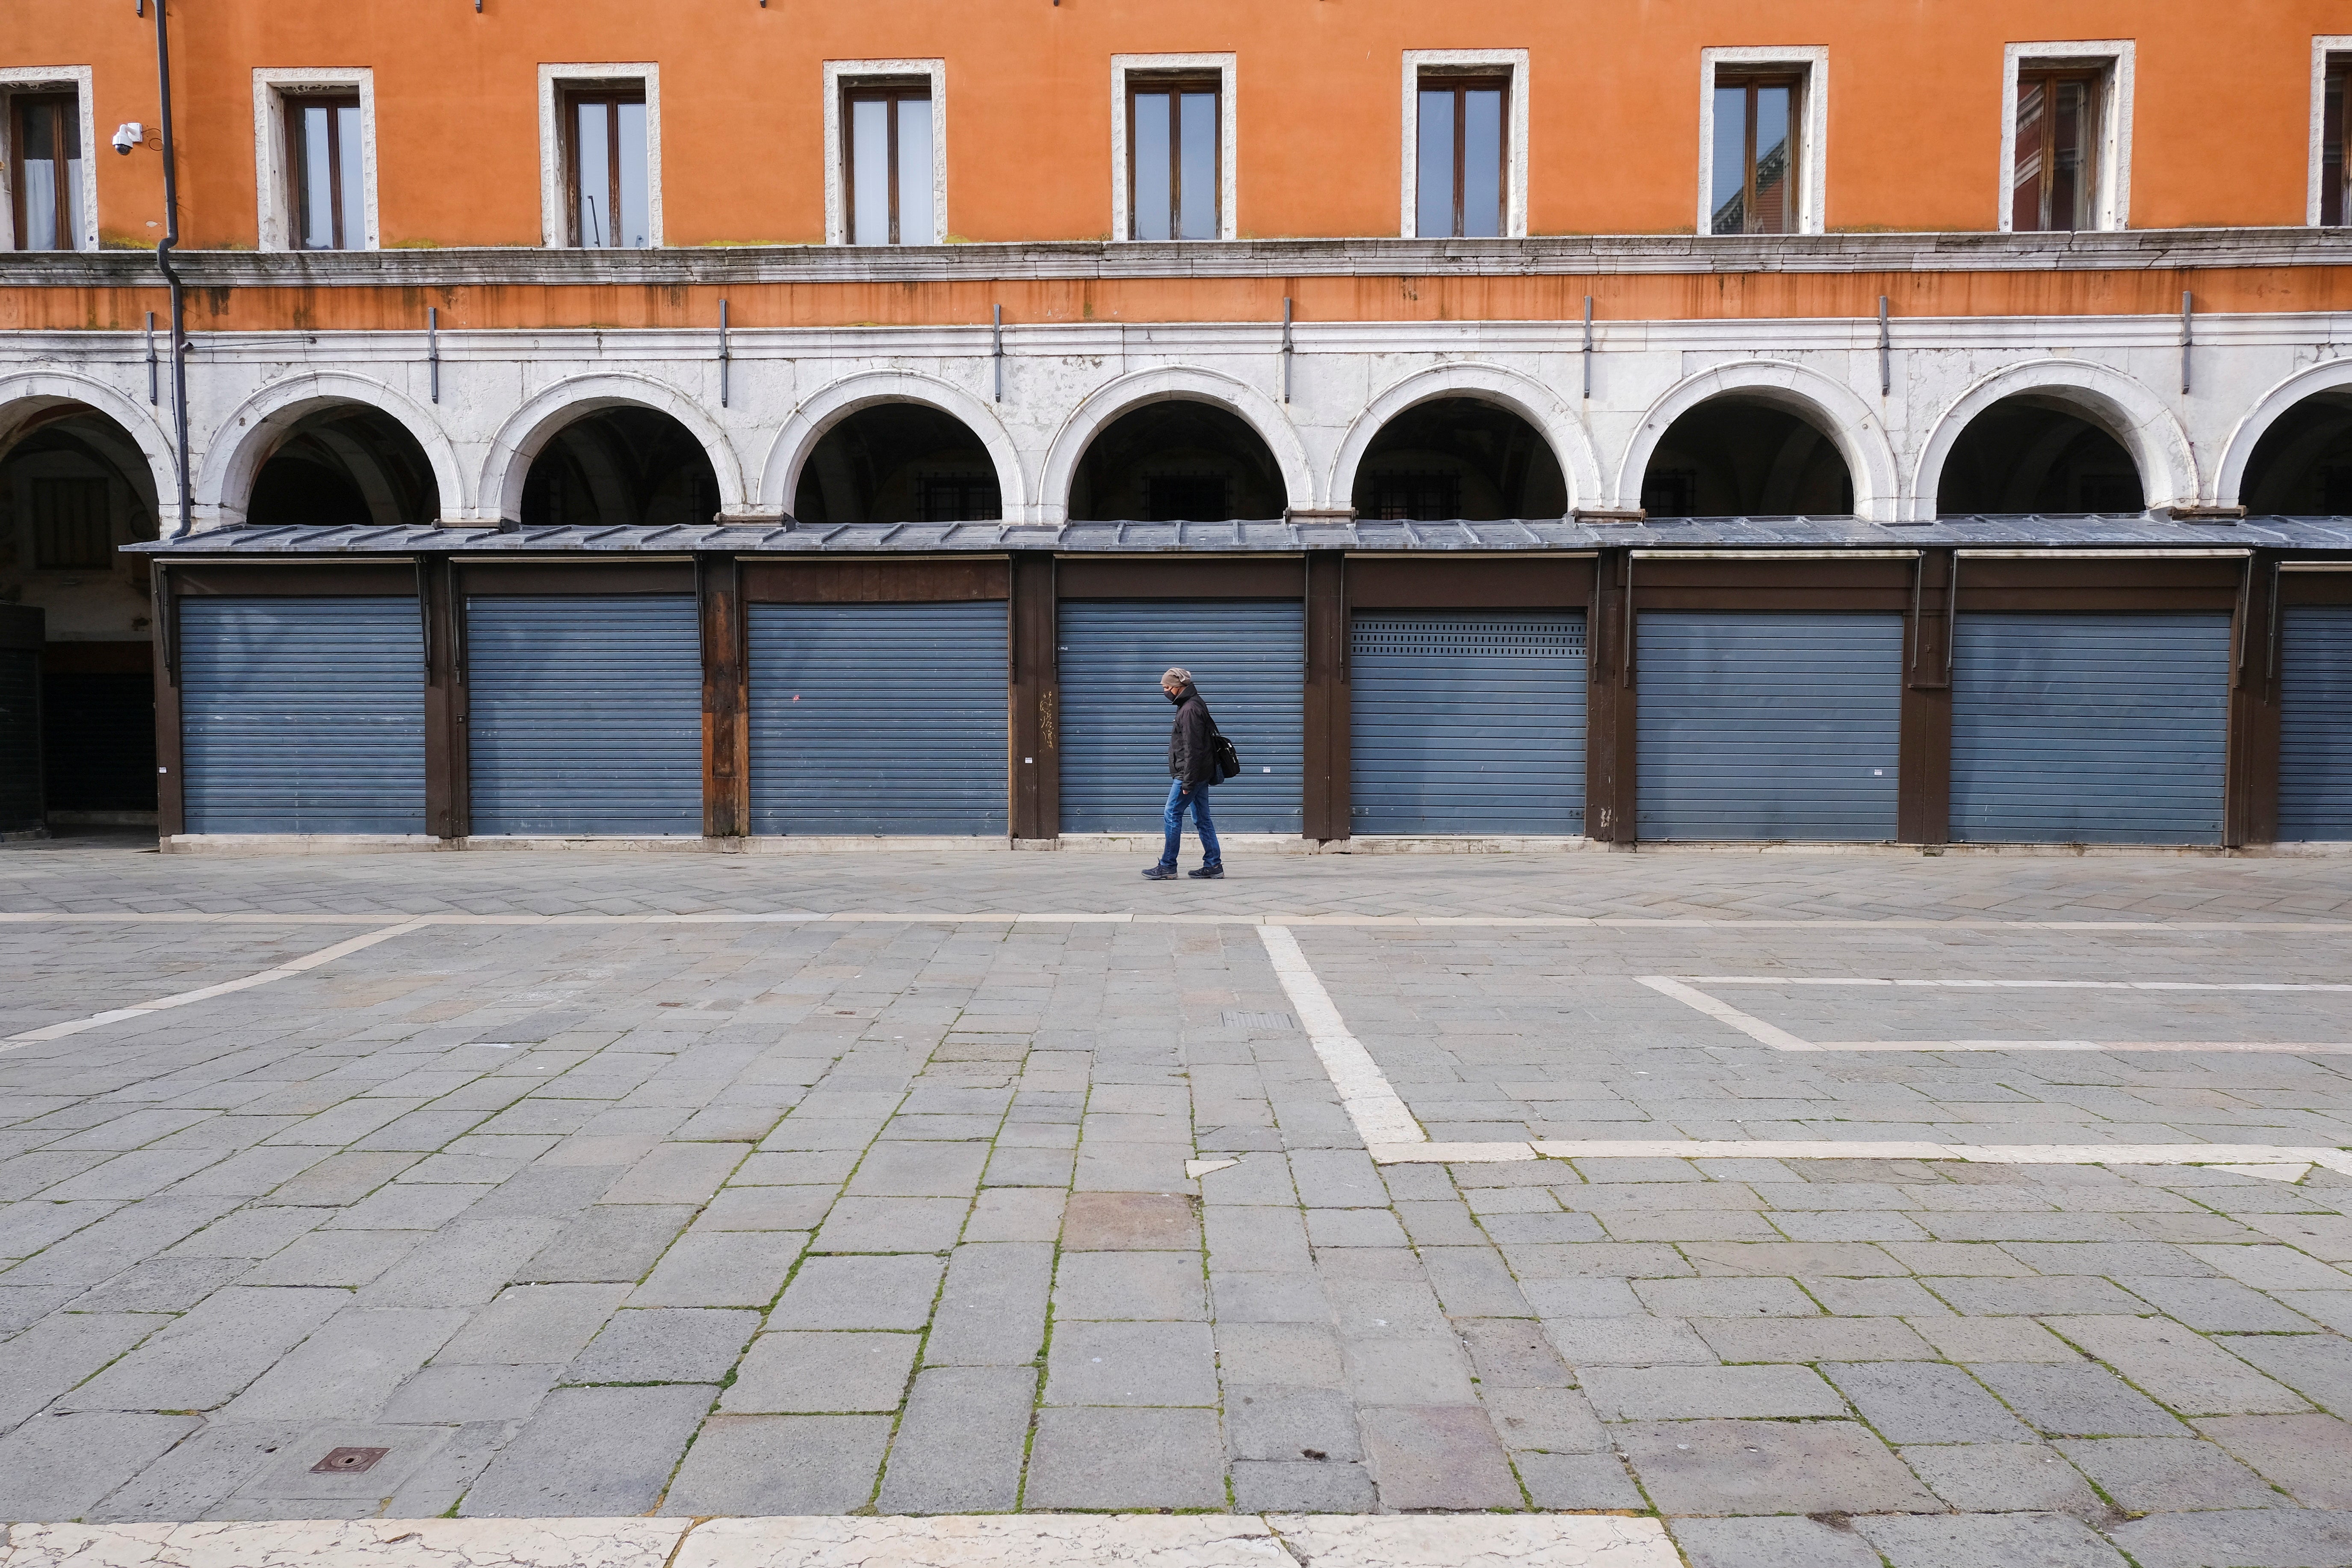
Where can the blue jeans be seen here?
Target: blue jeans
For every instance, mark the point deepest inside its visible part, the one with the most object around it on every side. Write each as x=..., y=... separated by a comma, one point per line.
x=1179, y=795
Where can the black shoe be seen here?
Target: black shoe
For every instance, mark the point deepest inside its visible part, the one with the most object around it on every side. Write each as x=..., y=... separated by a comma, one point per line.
x=1160, y=873
x=1207, y=873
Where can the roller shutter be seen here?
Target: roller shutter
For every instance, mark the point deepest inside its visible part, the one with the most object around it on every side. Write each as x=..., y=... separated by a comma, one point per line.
x=585, y=714
x=20, y=740
x=1248, y=658
x=2089, y=729
x=1779, y=726
x=2316, y=723
x=1468, y=723
x=879, y=718
x=302, y=715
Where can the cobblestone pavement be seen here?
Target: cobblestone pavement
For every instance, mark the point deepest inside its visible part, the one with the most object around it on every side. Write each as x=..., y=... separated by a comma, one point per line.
x=627, y=1216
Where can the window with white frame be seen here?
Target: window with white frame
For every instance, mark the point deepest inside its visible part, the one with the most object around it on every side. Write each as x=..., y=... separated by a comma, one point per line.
x=2331, y=78
x=600, y=156
x=314, y=156
x=46, y=134
x=1172, y=146
x=2065, y=136
x=1763, y=140
x=885, y=135
x=1464, y=152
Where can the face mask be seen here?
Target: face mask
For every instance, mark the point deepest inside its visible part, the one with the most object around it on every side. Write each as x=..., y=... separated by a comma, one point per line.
x=1175, y=697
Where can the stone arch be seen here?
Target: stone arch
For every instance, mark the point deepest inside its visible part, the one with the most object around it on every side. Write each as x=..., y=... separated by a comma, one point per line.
x=243, y=440
x=1524, y=395
x=2229, y=475
x=32, y=394
x=527, y=430
x=1831, y=407
x=837, y=401
x=2108, y=398
x=1098, y=408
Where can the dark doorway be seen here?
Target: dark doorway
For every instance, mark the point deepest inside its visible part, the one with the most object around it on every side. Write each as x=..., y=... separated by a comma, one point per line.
x=899, y=462
x=621, y=468
x=2028, y=455
x=1731, y=456
x=74, y=488
x=1457, y=457
x=349, y=466
x=1177, y=461
x=2302, y=466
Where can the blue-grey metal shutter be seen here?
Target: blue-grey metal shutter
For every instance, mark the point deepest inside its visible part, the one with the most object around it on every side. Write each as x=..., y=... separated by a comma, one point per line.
x=879, y=718
x=1248, y=658
x=586, y=713
x=302, y=715
x=20, y=740
x=1769, y=726
x=2316, y=723
x=1468, y=723
x=2104, y=729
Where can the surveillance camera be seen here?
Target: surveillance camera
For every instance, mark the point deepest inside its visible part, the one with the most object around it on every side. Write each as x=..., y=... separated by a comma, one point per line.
x=128, y=136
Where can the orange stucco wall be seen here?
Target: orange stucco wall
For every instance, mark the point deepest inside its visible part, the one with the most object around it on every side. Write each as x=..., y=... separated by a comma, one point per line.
x=1913, y=104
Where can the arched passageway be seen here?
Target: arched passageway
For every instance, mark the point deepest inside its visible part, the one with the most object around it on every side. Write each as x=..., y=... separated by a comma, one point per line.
x=899, y=462
x=1177, y=460
x=344, y=466
x=74, y=487
x=1459, y=458
x=2302, y=466
x=621, y=468
x=2035, y=455
x=1735, y=456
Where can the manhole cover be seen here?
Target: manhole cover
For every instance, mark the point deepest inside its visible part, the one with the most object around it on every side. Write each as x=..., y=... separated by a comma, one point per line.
x=1260, y=1021
x=348, y=1461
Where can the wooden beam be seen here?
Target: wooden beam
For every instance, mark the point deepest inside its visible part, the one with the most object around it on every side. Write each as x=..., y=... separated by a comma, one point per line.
x=1326, y=813
x=1034, y=762
x=726, y=737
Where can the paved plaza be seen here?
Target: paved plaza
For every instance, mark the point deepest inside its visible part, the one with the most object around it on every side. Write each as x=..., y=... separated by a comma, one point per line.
x=579, y=1185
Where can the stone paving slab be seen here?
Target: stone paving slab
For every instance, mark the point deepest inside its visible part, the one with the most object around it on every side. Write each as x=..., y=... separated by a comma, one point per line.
x=891, y=1217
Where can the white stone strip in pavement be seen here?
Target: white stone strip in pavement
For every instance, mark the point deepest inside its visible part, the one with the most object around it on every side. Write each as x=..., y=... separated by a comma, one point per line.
x=2252, y=1159
x=293, y=966
x=982, y=917
x=1688, y=992
x=1376, y=1109
x=996, y=1541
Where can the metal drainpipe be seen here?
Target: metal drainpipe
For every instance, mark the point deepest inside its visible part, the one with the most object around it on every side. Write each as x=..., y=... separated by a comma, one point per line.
x=179, y=290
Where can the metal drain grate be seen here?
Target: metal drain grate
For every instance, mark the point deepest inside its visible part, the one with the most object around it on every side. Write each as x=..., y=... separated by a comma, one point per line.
x=348, y=1461
x=1260, y=1021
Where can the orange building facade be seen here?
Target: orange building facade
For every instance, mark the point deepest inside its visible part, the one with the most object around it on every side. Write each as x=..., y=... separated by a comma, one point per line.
x=1630, y=327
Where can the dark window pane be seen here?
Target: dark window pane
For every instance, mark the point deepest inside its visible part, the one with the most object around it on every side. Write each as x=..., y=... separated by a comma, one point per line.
x=2070, y=129
x=71, y=527
x=2331, y=149
x=869, y=171
x=592, y=149
x=1482, y=162
x=1199, y=170
x=1726, y=196
x=915, y=219
x=1434, y=160
x=1153, y=198
x=1776, y=164
x=38, y=177
x=2026, y=213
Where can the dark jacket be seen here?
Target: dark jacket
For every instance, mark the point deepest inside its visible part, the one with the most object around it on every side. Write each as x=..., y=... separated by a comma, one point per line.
x=1191, y=757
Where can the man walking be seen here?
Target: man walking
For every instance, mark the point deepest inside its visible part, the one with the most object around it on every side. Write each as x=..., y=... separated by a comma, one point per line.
x=1192, y=769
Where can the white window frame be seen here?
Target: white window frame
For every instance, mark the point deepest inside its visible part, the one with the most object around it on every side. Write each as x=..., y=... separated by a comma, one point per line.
x=270, y=174
x=555, y=223
x=1228, y=151
x=841, y=74
x=2324, y=47
x=14, y=79
x=1811, y=61
x=2111, y=203
x=1512, y=63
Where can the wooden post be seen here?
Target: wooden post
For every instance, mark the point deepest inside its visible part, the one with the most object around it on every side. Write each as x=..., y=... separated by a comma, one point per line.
x=171, y=796
x=725, y=738
x=2250, y=804
x=1924, y=767
x=1034, y=762
x=1326, y=813
x=1611, y=808
x=445, y=703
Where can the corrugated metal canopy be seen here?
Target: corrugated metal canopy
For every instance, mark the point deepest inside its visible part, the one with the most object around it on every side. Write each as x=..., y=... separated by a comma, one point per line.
x=2135, y=531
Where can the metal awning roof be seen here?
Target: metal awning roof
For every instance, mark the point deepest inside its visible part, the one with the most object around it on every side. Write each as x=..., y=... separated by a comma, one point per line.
x=2134, y=532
